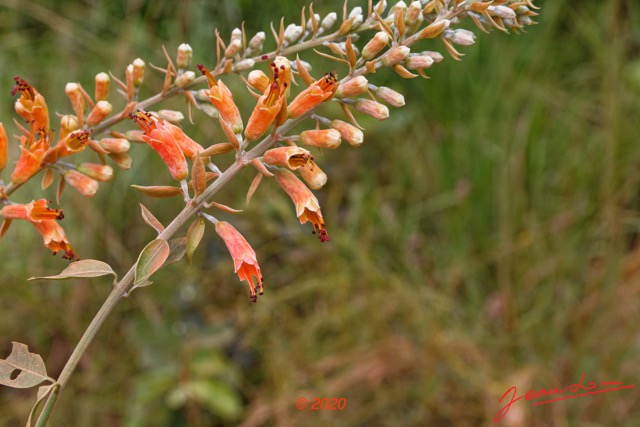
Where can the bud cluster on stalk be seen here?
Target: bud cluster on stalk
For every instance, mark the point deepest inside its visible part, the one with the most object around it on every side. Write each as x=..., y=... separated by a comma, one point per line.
x=361, y=42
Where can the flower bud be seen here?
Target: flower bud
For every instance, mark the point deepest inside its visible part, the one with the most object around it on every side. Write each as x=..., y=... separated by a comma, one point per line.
x=356, y=14
x=292, y=33
x=103, y=81
x=324, y=138
x=375, y=45
x=414, y=18
x=292, y=157
x=354, y=87
x=436, y=56
x=85, y=185
x=329, y=21
x=522, y=10
x=349, y=133
x=96, y=171
x=390, y=96
x=372, y=108
x=310, y=23
x=418, y=62
x=171, y=116
x=503, y=12
x=380, y=7
x=74, y=93
x=256, y=42
x=234, y=47
x=395, y=56
x=124, y=161
x=400, y=5
x=115, y=145
x=244, y=65
x=3, y=147
x=184, y=79
x=100, y=111
x=135, y=136
x=183, y=58
x=525, y=20
x=461, y=36
x=313, y=175
x=138, y=72
x=209, y=110
x=258, y=80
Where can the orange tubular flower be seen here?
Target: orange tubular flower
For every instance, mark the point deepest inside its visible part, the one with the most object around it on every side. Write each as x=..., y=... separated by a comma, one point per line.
x=273, y=100
x=31, y=106
x=44, y=219
x=307, y=207
x=292, y=157
x=3, y=147
x=244, y=257
x=32, y=154
x=221, y=97
x=319, y=91
x=159, y=136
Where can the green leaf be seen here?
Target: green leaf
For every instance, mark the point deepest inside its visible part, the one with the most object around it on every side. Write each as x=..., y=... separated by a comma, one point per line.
x=151, y=259
x=194, y=235
x=178, y=248
x=82, y=268
x=216, y=396
x=30, y=368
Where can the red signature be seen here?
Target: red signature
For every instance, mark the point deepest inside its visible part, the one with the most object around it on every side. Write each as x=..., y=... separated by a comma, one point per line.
x=590, y=388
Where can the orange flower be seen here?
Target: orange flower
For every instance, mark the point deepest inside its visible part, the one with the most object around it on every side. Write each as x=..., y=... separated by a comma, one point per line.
x=31, y=106
x=32, y=154
x=221, y=97
x=244, y=257
x=307, y=207
x=273, y=100
x=160, y=137
x=43, y=219
x=3, y=147
x=292, y=157
x=319, y=91
x=81, y=182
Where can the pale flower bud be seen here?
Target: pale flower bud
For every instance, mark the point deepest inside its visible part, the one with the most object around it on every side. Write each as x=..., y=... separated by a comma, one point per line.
x=184, y=79
x=100, y=111
x=257, y=41
x=171, y=116
x=380, y=6
x=244, y=65
x=68, y=123
x=258, y=80
x=399, y=5
x=136, y=136
x=525, y=20
x=418, y=62
x=329, y=21
x=138, y=72
x=375, y=45
x=322, y=138
x=354, y=87
x=349, y=133
x=390, y=96
x=96, y=171
x=103, y=81
x=185, y=53
x=414, y=14
x=503, y=12
x=115, y=145
x=356, y=14
x=436, y=56
x=522, y=10
x=310, y=23
x=292, y=33
x=233, y=48
x=372, y=108
x=395, y=56
x=461, y=36
x=209, y=110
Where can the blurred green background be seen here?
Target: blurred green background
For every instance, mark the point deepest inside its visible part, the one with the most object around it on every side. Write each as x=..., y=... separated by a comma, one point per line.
x=485, y=236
